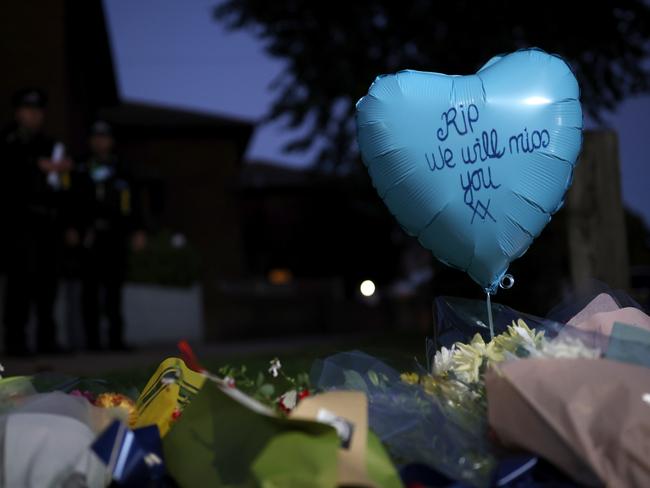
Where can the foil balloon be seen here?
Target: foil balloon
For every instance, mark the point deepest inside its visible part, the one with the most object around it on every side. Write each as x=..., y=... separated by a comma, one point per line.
x=474, y=166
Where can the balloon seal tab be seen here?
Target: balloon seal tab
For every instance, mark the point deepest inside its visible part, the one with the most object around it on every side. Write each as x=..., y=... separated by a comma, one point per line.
x=507, y=281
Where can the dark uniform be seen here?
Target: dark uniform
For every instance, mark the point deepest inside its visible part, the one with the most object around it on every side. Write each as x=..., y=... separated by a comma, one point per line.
x=109, y=221
x=32, y=231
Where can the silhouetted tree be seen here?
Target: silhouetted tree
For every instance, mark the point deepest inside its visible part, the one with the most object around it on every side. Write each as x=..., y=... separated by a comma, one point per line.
x=335, y=49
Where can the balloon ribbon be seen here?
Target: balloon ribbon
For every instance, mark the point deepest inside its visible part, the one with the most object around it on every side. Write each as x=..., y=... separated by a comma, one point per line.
x=489, y=313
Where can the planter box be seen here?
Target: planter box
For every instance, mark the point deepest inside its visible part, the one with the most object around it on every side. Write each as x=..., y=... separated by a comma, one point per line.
x=160, y=314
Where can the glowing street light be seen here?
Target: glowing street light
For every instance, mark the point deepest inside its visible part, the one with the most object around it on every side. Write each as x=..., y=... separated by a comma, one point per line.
x=367, y=288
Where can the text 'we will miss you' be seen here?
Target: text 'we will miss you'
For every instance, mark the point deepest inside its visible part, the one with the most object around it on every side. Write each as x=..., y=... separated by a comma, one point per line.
x=486, y=146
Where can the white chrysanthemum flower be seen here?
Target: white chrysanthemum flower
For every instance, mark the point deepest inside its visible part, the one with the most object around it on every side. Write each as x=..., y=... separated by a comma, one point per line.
x=443, y=360
x=275, y=366
x=465, y=378
x=568, y=347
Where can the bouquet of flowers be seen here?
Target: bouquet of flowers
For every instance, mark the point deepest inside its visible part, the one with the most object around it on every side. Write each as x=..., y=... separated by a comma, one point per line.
x=574, y=392
x=479, y=396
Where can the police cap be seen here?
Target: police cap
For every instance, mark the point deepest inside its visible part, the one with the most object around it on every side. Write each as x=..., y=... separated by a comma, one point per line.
x=29, y=97
x=101, y=128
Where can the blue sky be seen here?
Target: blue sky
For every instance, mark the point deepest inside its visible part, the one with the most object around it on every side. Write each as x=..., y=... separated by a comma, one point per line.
x=172, y=52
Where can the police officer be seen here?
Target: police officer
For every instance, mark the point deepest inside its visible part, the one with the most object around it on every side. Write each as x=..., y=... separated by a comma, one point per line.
x=33, y=173
x=111, y=222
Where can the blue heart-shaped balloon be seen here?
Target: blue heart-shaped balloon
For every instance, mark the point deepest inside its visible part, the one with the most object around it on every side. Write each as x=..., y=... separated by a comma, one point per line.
x=474, y=166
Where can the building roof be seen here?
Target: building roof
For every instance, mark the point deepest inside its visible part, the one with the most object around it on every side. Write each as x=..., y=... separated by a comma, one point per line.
x=144, y=116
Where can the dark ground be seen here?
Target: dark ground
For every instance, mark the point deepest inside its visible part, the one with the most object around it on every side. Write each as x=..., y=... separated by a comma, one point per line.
x=133, y=369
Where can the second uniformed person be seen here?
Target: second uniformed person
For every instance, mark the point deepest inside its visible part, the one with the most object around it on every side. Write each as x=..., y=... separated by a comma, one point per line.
x=107, y=202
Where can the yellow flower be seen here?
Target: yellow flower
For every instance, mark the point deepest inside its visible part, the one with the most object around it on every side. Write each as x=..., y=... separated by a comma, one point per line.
x=468, y=359
x=431, y=385
x=410, y=378
x=452, y=392
x=519, y=335
x=494, y=353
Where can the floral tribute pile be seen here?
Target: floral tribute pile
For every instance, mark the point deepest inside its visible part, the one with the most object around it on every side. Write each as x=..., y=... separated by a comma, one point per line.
x=542, y=403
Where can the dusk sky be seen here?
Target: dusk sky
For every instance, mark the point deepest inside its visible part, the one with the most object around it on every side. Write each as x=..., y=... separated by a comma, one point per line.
x=172, y=52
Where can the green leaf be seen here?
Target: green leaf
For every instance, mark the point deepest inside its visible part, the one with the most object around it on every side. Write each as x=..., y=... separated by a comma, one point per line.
x=374, y=378
x=303, y=379
x=266, y=390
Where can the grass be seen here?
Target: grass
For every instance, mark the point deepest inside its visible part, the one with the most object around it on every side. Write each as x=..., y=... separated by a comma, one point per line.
x=397, y=349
